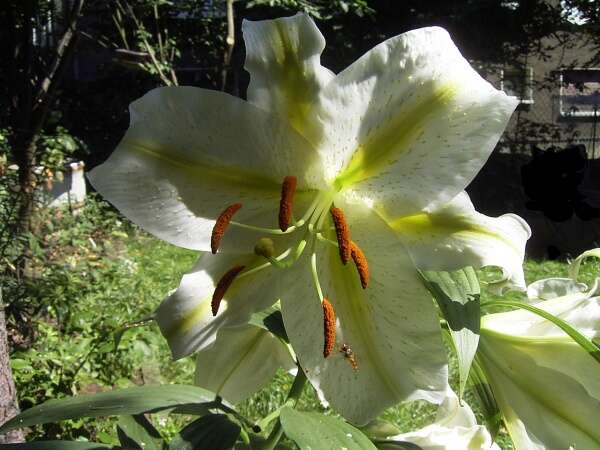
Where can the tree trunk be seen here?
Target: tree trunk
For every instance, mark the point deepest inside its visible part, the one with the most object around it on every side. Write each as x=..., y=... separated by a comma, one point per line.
x=9, y=406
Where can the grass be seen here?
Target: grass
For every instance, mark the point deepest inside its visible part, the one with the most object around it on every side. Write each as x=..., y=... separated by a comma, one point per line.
x=121, y=276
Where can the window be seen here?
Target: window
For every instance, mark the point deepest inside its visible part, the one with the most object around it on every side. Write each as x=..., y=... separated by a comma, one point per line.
x=579, y=93
x=518, y=82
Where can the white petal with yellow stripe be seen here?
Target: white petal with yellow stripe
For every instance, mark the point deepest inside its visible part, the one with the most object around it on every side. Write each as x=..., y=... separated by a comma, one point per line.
x=410, y=123
x=190, y=152
x=185, y=317
x=286, y=76
x=456, y=236
x=240, y=362
x=391, y=326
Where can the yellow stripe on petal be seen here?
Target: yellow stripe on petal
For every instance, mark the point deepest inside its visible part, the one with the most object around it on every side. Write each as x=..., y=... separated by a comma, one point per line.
x=383, y=145
x=286, y=77
x=430, y=225
x=456, y=236
x=191, y=318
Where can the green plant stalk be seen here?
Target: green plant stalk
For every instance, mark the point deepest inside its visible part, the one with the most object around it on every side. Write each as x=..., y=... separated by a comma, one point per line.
x=291, y=400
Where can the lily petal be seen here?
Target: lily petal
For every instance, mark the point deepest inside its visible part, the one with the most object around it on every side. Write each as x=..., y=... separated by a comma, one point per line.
x=185, y=317
x=580, y=312
x=550, y=288
x=240, y=362
x=455, y=428
x=545, y=384
x=179, y=165
x=410, y=123
x=391, y=326
x=283, y=59
x=456, y=236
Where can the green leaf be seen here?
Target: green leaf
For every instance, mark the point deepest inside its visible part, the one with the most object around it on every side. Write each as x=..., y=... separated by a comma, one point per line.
x=271, y=320
x=483, y=391
x=397, y=445
x=458, y=296
x=213, y=431
x=137, y=433
x=135, y=400
x=58, y=445
x=315, y=431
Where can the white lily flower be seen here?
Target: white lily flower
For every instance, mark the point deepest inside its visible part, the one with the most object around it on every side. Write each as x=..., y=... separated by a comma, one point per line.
x=241, y=361
x=455, y=428
x=546, y=385
x=391, y=141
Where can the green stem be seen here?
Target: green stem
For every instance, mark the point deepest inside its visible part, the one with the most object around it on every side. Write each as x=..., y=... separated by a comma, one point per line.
x=291, y=400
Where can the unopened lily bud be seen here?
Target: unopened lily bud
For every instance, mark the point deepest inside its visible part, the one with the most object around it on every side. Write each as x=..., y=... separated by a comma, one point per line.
x=265, y=247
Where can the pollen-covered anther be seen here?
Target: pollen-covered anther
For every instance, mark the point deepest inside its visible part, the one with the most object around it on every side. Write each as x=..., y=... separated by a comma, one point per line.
x=328, y=328
x=342, y=233
x=288, y=188
x=360, y=261
x=221, y=225
x=222, y=286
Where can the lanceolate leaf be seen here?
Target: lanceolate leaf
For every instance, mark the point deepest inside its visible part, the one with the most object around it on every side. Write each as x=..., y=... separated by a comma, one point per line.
x=137, y=433
x=59, y=445
x=314, y=430
x=213, y=431
x=458, y=296
x=487, y=401
x=129, y=401
x=397, y=445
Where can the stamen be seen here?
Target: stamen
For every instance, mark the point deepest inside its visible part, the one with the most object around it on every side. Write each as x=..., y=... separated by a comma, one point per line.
x=288, y=188
x=221, y=225
x=342, y=232
x=328, y=328
x=360, y=260
x=222, y=287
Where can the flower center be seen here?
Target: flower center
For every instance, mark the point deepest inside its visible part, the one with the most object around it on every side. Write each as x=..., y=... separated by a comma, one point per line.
x=320, y=223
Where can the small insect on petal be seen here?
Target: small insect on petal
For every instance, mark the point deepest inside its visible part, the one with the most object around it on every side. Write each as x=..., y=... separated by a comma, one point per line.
x=342, y=233
x=221, y=225
x=222, y=287
x=349, y=356
x=360, y=260
x=328, y=328
x=288, y=188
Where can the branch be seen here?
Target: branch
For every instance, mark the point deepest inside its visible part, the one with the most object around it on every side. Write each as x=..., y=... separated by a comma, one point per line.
x=63, y=49
x=230, y=43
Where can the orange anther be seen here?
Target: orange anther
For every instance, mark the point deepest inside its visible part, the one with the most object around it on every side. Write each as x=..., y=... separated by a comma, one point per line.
x=222, y=287
x=288, y=188
x=221, y=225
x=342, y=232
x=360, y=260
x=328, y=328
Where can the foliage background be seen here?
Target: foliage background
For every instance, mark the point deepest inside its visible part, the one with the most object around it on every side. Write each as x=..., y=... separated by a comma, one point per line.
x=69, y=281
